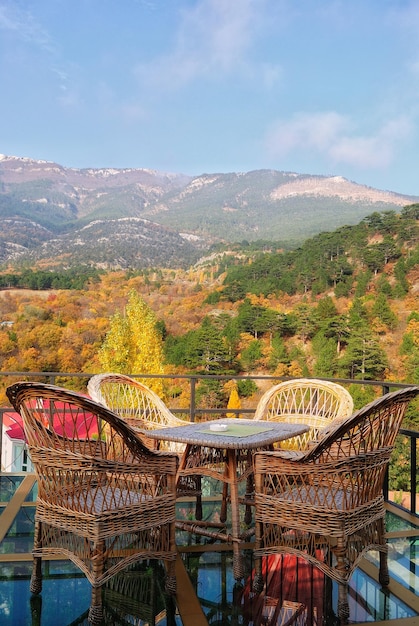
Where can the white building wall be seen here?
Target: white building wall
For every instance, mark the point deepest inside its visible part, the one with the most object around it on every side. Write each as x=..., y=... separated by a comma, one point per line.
x=14, y=457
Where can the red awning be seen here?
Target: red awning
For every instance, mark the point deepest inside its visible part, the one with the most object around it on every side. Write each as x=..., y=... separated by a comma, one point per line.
x=85, y=425
x=14, y=425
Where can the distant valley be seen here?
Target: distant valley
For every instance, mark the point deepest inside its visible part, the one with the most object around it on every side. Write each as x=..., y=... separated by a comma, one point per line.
x=137, y=218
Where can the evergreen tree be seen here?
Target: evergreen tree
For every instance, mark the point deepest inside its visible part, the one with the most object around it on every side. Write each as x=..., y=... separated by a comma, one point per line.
x=336, y=328
x=208, y=348
x=251, y=355
x=363, y=358
x=326, y=356
x=278, y=353
x=383, y=312
x=326, y=308
x=307, y=324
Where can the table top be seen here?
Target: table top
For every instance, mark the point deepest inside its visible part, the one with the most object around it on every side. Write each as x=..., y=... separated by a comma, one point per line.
x=239, y=434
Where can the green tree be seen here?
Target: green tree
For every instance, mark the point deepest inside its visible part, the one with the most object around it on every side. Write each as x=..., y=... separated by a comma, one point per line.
x=363, y=358
x=279, y=353
x=326, y=308
x=336, y=328
x=326, y=355
x=307, y=324
x=383, y=312
x=207, y=348
x=362, y=283
x=251, y=355
x=383, y=286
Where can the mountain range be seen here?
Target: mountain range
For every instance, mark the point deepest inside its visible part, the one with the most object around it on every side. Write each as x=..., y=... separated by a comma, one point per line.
x=138, y=218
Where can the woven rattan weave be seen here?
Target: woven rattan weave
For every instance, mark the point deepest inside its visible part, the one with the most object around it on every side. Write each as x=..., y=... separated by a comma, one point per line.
x=308, y=401
x=142, y=408
x=136, y=403
x=326, y=503
x=105, y=501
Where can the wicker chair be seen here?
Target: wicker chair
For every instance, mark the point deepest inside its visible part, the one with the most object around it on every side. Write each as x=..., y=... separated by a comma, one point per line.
x=105, y=501
x=141, y=407
x=135, y=403
x=326, y=504
x=316, y=403
x=310, y=401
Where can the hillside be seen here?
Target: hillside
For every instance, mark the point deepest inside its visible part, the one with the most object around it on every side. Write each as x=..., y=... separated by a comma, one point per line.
x=343, y=305
x=138, y=218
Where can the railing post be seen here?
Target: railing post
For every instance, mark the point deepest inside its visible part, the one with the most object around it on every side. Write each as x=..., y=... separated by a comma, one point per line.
x=192, y=402
x=413, y=476
x=386, y=484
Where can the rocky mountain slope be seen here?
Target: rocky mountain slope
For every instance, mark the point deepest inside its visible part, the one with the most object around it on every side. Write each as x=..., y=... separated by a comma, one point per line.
x=142, y=218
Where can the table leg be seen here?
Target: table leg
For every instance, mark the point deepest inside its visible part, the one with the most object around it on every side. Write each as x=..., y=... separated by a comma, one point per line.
x=186, y=487
x=223, y=512
x=238, y=565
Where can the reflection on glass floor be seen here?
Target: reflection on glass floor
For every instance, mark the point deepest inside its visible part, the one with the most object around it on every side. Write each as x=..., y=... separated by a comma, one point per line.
x=136, y=597
x=288, y=580
x=294, y=593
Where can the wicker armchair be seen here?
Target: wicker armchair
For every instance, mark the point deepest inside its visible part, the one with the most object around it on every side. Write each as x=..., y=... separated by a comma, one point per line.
x=135, y=403
x=326, y=504
x=105, y=501
x=141, y=407
x=310, y=401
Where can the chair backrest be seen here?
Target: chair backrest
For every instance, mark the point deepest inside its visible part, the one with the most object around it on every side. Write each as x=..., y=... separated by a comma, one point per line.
x=138, y=405
x=370, y=429
x=73, y=440
x=131, y=400
x=304, y=400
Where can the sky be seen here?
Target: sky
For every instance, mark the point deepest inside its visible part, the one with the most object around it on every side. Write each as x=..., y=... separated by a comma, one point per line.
x=327, y=87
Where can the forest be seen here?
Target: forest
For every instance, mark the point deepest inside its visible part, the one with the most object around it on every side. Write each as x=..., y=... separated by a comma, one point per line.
x=343, y=305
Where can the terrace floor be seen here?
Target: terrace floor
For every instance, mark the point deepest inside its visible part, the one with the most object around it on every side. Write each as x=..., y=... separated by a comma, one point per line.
x=207, y=592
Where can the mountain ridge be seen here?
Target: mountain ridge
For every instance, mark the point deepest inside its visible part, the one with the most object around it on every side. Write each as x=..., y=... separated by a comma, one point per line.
x=42, y=202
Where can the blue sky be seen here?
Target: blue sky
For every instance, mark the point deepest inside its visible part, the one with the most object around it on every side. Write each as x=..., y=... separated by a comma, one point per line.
x=309, y=86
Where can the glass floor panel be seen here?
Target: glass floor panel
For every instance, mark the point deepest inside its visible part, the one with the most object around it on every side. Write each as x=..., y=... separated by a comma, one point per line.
x=294, y=590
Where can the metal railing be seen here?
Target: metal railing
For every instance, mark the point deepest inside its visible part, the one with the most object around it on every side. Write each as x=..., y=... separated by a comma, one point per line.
x=193, y=412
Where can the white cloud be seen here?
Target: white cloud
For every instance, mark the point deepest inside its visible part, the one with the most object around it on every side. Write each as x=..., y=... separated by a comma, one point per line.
x=23, y=25
x=213, y=38
x=334, y=137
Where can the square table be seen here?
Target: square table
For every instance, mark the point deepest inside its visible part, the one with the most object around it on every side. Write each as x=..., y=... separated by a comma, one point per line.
x=226, y=455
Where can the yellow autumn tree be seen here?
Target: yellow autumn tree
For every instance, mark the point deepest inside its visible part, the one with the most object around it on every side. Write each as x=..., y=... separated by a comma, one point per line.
x=234, y=399
x=133, y=344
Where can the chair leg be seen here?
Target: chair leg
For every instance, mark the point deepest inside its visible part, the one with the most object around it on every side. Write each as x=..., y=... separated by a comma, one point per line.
x=198, y=503
x=170, y=583
x=36, y=610
x=36, y=578
x=250, y=489
x=384, y=576
x=343, y=605
x=340, y=554
x=258, y=582
x=98, y=565
x=96, y=609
